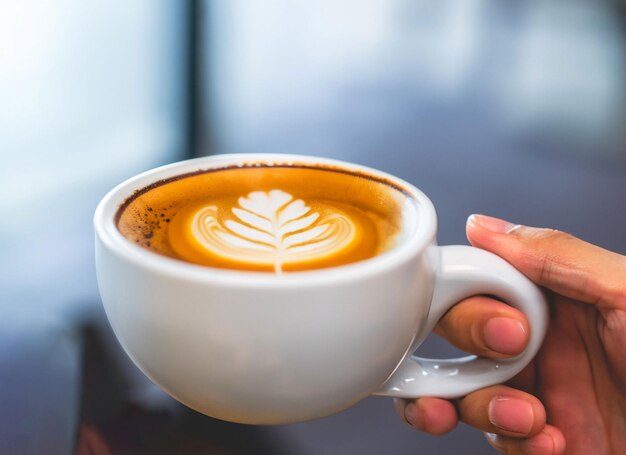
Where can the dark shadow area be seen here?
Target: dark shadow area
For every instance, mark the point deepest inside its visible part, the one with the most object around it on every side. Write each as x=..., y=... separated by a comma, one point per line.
x=111, y=423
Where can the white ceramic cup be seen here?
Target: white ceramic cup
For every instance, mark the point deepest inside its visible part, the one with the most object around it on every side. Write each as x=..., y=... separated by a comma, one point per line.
x=263, y=348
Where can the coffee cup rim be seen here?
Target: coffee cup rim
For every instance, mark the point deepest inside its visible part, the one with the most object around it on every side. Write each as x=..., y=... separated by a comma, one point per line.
x=108, y=233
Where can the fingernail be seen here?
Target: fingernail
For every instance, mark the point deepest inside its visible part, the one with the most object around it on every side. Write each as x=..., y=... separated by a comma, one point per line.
x=511, y=414
x=505, y=335
x=492, y=437
x=414, y=416
x=492, y=224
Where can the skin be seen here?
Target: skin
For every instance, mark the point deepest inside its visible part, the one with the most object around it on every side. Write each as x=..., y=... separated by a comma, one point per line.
x=91, y=442
x=572, y=397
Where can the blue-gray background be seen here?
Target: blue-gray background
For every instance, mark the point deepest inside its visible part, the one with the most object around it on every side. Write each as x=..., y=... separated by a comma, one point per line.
x=514, y=109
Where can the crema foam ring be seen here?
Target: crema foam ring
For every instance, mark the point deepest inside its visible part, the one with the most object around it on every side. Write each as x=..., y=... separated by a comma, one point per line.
x=269, y=219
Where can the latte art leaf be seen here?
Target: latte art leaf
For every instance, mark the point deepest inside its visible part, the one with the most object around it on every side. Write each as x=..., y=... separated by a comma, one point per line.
x=272, y=228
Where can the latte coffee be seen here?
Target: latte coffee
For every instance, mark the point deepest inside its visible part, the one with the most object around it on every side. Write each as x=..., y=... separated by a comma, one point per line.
x=263, y=348
x=266, y=217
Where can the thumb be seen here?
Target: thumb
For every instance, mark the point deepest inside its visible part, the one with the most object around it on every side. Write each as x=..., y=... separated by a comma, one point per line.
x=554, y=259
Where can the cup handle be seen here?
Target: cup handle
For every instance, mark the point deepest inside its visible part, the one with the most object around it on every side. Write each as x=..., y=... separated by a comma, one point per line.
x=464, y=272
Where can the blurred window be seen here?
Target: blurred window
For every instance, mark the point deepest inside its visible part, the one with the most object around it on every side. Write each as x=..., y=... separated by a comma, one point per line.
x=91, y=92
x=314, y=77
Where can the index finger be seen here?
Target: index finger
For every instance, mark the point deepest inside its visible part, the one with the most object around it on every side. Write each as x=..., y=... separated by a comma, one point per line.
x=555, y=260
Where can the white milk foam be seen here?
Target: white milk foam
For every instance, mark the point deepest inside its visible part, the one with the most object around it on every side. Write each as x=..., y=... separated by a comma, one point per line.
x=272, y=228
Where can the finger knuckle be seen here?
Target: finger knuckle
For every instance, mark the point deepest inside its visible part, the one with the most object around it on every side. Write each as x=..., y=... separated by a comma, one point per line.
x=555, y=236
x=546, y=267
x=546, y=253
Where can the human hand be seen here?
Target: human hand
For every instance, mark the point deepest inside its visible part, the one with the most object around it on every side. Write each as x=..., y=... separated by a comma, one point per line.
x=574, y=391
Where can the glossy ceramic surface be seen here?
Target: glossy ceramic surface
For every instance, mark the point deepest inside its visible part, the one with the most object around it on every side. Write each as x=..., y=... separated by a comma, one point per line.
x=267, y=349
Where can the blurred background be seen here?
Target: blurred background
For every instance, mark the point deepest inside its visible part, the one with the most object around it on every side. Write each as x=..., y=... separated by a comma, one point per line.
x=515, y=109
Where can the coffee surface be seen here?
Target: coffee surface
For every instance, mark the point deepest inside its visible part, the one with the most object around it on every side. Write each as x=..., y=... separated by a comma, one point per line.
x=266, y=218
